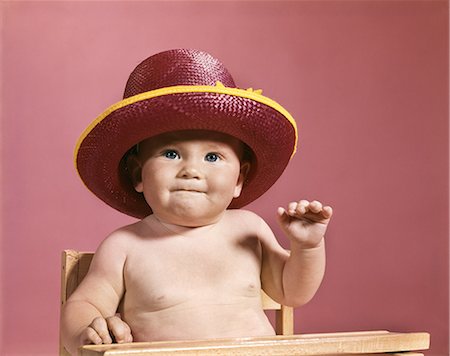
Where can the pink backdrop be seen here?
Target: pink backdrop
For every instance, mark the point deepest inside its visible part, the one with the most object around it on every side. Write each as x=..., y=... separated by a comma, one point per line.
x=367, y=82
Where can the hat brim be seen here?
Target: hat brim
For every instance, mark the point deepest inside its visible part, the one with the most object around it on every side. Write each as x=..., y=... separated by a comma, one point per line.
x=262, y=124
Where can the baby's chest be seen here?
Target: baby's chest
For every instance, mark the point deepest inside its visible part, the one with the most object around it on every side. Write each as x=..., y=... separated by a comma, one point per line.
x=170, y=270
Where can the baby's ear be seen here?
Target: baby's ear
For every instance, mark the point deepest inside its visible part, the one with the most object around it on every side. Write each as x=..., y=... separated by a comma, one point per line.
x=134, y=167
x=245, y=168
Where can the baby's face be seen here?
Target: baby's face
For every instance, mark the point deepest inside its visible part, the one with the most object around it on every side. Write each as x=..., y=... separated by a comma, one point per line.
x=189, y=178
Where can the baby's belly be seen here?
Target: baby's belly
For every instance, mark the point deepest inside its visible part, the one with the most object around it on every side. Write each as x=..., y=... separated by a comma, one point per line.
x=194, y=319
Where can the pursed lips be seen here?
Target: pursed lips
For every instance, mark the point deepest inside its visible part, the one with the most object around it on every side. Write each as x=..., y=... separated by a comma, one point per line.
x=189, y=190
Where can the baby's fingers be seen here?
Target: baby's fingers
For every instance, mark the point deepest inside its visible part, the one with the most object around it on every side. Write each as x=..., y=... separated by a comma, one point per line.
x=314, y=210
x=295, y=207
x=327, y=212
x=119, y=329
x=97, y=333
x=298, y=208
x=91, y=336
x=315, y=206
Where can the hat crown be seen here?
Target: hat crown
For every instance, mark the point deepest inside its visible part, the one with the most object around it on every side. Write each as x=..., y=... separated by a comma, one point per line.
x=177, y=67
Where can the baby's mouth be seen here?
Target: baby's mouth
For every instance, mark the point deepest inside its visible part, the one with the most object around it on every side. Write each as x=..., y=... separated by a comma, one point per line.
x=188, y=190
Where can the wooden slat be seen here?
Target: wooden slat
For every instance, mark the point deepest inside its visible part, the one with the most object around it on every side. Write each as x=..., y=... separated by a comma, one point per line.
x=268, y=303
x=355, y=343
x=74, y=267
x=284, y=321
x=77, y=268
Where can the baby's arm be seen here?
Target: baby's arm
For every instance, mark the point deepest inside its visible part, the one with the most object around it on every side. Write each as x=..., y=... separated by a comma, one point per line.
x=294, y=279
x=89, y=314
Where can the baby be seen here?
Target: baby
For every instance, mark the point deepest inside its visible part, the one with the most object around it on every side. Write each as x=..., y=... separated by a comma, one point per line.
x=183, y=151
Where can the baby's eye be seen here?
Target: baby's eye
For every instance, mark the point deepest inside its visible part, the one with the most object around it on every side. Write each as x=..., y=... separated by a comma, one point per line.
x=212, y=157
x=171, y=154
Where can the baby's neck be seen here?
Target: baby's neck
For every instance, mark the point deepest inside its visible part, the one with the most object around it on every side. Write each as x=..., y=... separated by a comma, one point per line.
x=186, y=231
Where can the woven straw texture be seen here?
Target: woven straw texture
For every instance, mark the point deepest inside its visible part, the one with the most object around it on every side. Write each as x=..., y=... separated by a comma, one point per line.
x=99, y=158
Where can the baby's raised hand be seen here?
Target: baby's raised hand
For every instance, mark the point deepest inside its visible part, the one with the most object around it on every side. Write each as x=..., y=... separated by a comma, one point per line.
x=305, y=222
x=102, y=331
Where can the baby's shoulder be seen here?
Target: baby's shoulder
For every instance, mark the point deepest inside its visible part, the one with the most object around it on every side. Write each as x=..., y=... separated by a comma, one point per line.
x=244, y=219
x=123, y=237
x=242, y=214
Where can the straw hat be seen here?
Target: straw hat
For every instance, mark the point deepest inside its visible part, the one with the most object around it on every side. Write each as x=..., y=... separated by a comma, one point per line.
x=175, y=90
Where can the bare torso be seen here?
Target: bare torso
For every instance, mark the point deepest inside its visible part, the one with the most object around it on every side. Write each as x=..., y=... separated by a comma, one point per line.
x=201, y=283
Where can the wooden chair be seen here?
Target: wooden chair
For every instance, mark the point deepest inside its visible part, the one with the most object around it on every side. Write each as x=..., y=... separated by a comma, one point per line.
x=368, y=343
x=75, y=265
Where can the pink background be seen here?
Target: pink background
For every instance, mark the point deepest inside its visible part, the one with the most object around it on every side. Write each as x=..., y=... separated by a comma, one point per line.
x=367, y=82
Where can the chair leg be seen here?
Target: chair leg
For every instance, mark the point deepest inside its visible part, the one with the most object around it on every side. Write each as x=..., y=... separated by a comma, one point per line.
x=284, y=321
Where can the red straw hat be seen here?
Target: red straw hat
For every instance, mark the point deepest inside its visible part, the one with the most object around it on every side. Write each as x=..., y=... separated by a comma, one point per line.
x=177, y=90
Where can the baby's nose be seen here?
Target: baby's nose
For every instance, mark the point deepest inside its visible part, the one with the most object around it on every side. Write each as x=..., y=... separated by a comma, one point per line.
x=190, y=170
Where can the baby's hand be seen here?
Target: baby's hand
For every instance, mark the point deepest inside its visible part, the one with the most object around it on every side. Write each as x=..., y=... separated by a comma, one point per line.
x=305, y=222
x=102, y=331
